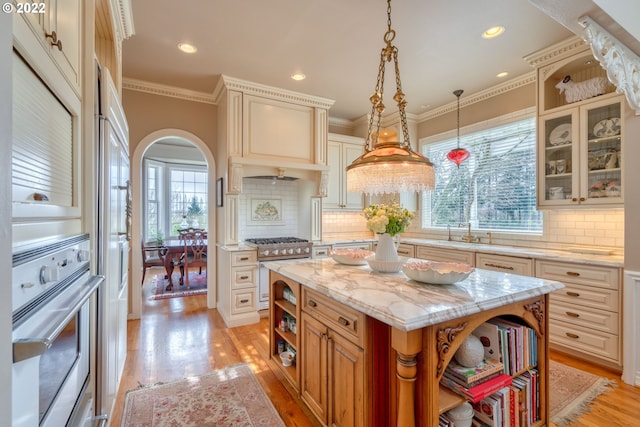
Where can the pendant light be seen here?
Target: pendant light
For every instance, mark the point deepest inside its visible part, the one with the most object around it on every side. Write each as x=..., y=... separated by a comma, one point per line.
x=458, y=155
x=387, y=165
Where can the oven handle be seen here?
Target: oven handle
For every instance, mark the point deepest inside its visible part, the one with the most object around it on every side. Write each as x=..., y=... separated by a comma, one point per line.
x=26, y=348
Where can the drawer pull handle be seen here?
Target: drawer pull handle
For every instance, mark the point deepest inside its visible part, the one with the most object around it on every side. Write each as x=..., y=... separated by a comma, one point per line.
x=403, y=252
x=321, y=252
x=489, y=264
x=570, y=335
x=244, y=258
x=343, y=321
x=244, y=277
x=572, y=314
x=573, y=294
x=244, y=301
x=312, y=303
x=573, y=273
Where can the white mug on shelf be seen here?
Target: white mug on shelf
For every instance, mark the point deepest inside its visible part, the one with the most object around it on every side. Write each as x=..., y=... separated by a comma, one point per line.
x=561, y=166
x=556, y=193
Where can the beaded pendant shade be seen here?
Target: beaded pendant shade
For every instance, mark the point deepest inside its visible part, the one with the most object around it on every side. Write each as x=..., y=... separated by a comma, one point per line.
x=458, y=155
x=388, y=165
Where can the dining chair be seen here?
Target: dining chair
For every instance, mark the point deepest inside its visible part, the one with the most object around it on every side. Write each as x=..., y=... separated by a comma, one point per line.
x=195, y=252
x=153, y=255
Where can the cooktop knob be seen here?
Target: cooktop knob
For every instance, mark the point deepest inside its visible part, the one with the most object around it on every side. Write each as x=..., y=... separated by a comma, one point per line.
x=265, y=252
x=276, y=251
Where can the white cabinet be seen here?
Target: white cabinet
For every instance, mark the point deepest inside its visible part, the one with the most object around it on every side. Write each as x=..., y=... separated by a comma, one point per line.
x=505, y=263
x=52, y=26
x=581, y=154
x=238, y=286
x=580, y=143
x=444, y=254
x=585, y=316
x=341, y=151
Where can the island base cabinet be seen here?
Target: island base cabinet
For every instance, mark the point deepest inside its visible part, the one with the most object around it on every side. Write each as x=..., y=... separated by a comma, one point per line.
x=333, y=375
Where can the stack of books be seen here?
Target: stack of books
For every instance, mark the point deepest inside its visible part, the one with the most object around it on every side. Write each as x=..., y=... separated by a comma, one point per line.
x=477, y=382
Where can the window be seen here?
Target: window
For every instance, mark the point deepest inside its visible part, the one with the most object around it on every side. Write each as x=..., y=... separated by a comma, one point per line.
x=175, y=198
x=495, y=189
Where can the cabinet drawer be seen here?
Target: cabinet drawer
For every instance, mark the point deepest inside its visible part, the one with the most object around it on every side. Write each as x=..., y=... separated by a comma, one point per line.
x=576, y=338
x=604, y=277
x=320, y=251
x=363, y=245
x=243, y=277
x=447, y=255
x=600, y=320
x=406, y=250
x=243, y=301
x=244, y=258
x=598, y=298
x=505, y=264
x=348, y=322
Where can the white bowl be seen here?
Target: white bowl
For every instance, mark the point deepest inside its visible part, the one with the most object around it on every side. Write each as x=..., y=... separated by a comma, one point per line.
x=436, y=273
x=385, y=266
x=287, y=358
x=350, y=256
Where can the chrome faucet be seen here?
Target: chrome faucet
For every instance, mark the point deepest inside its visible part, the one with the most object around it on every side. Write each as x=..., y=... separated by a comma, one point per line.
x=468, y=238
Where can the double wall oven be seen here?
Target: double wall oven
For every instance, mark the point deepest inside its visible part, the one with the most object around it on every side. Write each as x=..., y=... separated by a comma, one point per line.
x=51, y=315
x=273, y=249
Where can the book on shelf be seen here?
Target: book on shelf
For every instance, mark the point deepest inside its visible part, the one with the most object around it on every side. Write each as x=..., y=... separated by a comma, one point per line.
x=489, y=335
x=480, y=391
x=464, y=382
x=488, y=411
x=471, y=376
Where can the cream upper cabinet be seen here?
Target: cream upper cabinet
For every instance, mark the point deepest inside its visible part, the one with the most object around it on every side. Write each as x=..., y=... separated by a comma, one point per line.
x=581, y=154
x=55, y=27
x=341, y=151
x=580, y=135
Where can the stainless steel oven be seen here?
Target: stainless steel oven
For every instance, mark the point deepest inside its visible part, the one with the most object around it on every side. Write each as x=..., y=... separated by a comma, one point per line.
x=272, y=249
x=52, y=291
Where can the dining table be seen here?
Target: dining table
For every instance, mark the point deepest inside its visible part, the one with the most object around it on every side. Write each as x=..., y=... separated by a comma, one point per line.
x=175, y=249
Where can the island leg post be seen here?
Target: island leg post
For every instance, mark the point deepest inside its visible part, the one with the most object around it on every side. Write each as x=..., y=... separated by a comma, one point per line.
x=407, y=344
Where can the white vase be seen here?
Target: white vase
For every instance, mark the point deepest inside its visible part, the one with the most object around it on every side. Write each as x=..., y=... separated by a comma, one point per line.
x=386, y=250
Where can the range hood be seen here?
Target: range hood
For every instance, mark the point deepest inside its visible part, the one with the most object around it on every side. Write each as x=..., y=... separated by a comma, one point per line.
x=243, y=167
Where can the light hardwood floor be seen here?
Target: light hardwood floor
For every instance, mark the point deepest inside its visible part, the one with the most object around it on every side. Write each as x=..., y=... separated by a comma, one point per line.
x=180, y=337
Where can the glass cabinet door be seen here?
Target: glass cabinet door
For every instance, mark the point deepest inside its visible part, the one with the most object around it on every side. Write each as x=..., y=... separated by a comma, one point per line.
x=560, y=144
x=603, y=152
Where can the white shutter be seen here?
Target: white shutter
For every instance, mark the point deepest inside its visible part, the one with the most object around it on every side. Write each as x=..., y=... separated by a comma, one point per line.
x=42, y=156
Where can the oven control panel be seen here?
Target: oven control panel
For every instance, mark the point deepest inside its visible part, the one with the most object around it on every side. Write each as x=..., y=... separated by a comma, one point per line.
x=33, y=279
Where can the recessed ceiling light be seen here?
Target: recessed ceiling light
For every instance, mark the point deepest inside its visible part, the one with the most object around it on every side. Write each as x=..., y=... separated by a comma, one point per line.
x=493, y=32
x=502, y=74
x=298, y=76
x=187, y=48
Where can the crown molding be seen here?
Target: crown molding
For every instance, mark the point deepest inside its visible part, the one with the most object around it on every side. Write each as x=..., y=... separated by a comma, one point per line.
x=483, y=95
x=251, y=88
x=620, y=62
x=170, y=91
x=556, y=52
x=123, y=18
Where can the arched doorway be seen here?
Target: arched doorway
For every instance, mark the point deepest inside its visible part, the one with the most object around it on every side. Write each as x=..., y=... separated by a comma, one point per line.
x=136, y=223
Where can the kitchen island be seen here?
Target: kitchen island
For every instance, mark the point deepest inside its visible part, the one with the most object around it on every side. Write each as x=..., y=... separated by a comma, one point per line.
x=357, y=330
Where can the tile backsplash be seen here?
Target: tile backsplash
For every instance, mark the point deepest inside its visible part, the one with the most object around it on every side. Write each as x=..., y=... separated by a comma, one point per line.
x=280, y=193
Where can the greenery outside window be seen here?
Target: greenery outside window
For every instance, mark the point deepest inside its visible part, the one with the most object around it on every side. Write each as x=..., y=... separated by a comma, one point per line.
x=495, y=189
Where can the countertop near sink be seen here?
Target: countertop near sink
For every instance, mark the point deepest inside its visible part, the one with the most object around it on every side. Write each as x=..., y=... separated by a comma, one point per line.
x=616, y=261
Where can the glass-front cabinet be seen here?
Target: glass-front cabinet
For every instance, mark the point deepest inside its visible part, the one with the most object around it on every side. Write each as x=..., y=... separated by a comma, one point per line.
x=580, y=154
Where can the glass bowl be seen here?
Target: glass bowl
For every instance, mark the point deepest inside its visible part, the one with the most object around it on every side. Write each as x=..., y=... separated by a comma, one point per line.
x=436, y=273
x=350, y=256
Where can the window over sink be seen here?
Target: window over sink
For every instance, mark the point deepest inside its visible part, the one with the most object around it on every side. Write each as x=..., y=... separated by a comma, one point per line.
x=495, y=189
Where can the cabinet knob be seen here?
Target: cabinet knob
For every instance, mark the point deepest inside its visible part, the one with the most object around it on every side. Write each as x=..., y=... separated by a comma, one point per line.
x=582, y=199
x=312, y=303
x=574, y=199
x=54, y=40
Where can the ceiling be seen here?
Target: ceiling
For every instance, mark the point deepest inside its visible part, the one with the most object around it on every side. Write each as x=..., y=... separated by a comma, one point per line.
x=336, y=44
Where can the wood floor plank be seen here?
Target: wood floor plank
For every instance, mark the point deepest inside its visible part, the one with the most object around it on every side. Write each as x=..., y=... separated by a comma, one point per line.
x=180, y=337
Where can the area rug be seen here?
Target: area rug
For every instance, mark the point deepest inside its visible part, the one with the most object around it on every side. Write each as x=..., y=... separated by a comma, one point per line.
x=571, y=391
x=230, y=397
x=197, y=286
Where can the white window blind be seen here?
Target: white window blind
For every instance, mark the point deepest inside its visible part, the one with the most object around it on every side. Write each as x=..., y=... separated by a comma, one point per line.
x=42, y=154
x=495, y=189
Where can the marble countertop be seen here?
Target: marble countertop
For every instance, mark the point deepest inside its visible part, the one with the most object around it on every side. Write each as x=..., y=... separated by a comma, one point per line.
x=405, y=304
